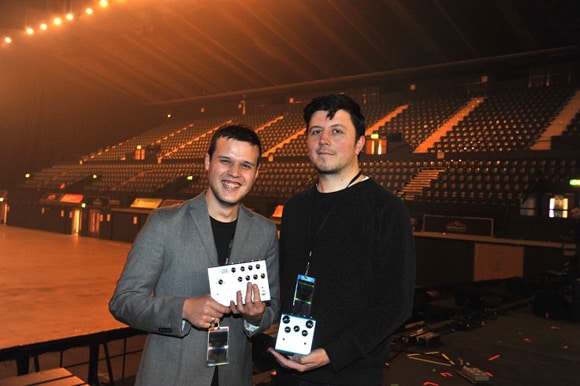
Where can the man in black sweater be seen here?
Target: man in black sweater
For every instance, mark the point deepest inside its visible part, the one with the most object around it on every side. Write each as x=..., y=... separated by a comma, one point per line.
x=355, y=239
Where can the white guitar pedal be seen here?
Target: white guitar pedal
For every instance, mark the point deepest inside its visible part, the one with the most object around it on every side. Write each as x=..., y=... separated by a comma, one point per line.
x=226, y=280
x=295, y=334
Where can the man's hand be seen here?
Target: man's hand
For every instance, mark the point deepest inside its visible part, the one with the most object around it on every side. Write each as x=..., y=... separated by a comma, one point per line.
x=301, y=363
x=252, y=308
x=203, y=312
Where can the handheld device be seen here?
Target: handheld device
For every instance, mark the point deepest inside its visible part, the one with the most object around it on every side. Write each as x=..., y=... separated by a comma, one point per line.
x=295, y=334
x=226, y=280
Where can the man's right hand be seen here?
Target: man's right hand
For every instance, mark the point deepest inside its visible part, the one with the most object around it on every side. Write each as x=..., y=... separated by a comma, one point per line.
x=203, y=312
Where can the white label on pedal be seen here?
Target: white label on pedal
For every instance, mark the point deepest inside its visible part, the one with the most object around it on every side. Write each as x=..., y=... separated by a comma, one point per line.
x=295, y=334
x=226, y=280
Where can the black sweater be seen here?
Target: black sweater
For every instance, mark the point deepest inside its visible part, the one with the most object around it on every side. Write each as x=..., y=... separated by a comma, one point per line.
x=363, y=260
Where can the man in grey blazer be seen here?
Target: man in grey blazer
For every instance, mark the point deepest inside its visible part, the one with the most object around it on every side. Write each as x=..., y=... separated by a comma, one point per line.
x=164, y=287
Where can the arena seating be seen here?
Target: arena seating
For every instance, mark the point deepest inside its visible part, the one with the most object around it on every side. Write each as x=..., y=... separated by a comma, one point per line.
x=484, y=160
x=573, y=128
x=507, y=121
x=422, y=118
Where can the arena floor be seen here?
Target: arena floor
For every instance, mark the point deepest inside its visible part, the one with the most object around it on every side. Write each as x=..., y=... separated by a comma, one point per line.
x=56, y=287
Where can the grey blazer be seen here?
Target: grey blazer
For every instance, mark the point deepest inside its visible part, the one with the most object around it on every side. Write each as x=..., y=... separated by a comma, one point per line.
x=168, y=263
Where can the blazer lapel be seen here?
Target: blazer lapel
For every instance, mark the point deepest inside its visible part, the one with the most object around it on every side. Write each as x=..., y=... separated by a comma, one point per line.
x=200, y=217
x=242, y=236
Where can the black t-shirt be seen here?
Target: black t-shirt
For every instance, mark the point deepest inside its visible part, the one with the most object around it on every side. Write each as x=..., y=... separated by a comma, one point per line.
x=223, y=236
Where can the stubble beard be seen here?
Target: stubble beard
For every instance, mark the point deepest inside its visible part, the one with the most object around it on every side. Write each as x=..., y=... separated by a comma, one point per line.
x=326, y=172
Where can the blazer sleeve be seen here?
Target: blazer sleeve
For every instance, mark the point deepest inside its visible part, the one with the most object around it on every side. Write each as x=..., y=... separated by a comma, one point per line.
x=133, y=301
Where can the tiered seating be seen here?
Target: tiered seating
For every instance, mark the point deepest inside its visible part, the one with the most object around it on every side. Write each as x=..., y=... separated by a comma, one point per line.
x=46, y=178
x=573, y=128
x=197, y=147
x=112, y=176
x=283, y=179
x=153, y=178
x=393, y=175
x=422, y=118
x=506, y=121
x=289, y=126
x=496, y=182
x=151, y=137
x=193, y=143
x=60, y=177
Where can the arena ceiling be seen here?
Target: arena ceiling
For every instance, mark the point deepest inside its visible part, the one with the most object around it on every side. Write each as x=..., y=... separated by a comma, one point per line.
x=97, y=79
x=162, y=51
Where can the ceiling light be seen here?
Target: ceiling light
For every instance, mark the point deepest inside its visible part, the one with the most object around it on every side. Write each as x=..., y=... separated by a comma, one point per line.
x=57, y=21
x=29, y=30
x=43, y=27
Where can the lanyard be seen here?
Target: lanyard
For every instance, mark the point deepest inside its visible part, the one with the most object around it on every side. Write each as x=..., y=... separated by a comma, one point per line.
x=323, y=223
x=229, y=250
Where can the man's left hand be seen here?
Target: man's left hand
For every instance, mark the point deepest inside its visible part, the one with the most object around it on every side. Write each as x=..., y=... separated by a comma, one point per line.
x=301, y=363
x=252, y=308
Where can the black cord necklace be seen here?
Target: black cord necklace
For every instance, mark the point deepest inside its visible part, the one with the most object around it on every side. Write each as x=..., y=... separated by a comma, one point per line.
x=351, y=181
x=318, y=231
x=354, y=179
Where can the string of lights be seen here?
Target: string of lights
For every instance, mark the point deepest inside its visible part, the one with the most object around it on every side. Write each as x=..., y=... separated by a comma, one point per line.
x=56, y=22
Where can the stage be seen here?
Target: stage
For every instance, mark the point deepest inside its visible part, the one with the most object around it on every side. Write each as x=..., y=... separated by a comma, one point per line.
x=55, y=290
